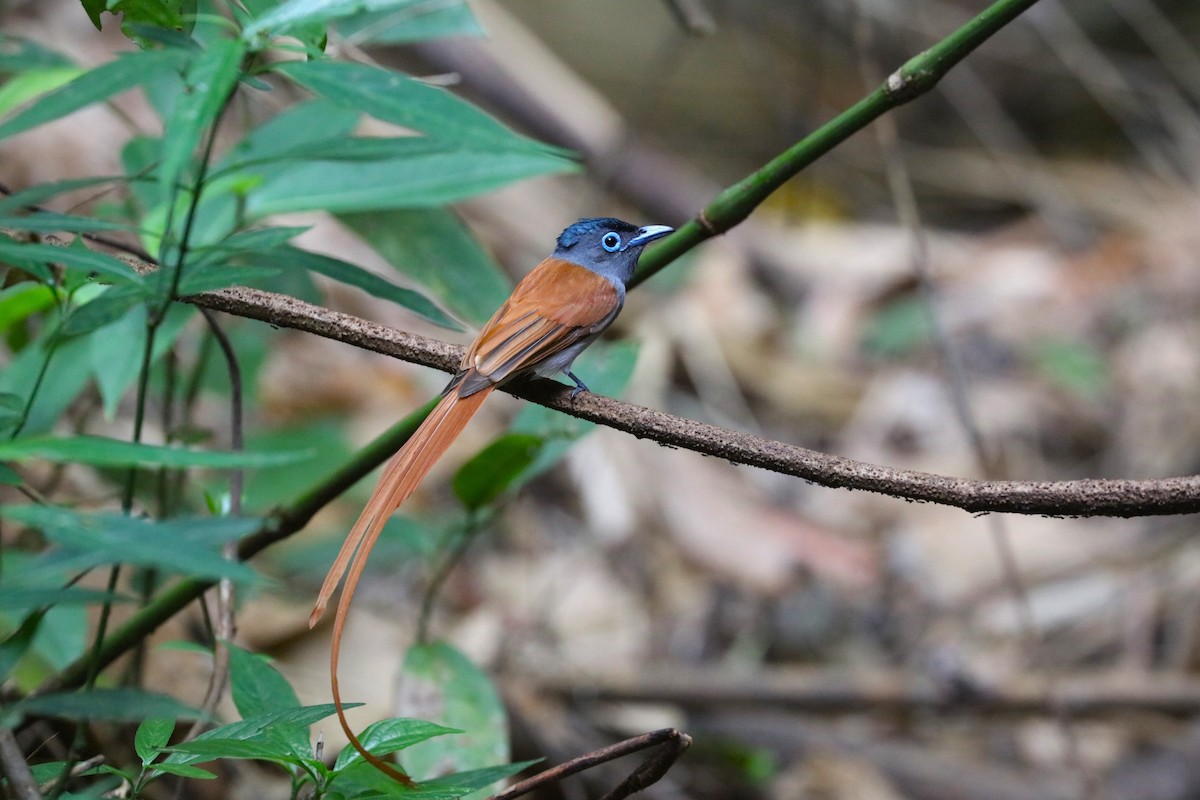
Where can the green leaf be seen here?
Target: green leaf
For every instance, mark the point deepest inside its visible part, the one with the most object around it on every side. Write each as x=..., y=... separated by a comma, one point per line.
x=109, y=769
x=207, y=84
x=369, y=282
x=485, y=477
x=182, y=770
x=212, y=749
x=151, y=737
x=17, y=643
x=258, y=688
x=19, y=55
x=62, y=380
x=20, y=598
x=75, y=256
x=479, y=778
x=169, y=15
x=396, y=98
x=125, y=705
x=116, y=351
x=434, y=174
x=101, y=452
x=182, y=546
x=94, y=8
x=107, y=309
x=22, y=88
x=898, y=328
x=437, y=251
x=8, y=475
x=1075, y=366
x=389, y=736
x=314, y=121
x=224, y=741
x=52, y=222
x=19, y=301
x=18, y=202
x=439, y=676
x=125, y=72
x=292, y=14
x=411, y=24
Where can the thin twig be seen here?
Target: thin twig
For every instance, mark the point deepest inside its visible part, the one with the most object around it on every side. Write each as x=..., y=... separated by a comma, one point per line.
x=20, y=779
x=674, y=742
x=226, y=592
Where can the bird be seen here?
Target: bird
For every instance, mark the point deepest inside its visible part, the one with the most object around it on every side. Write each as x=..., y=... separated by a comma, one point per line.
x=559, y=308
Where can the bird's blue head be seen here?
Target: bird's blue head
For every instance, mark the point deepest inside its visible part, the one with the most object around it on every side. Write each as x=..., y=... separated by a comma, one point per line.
x=607, y=246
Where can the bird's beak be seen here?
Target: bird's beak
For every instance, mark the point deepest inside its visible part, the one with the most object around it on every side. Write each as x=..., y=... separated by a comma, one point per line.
x=648, y=234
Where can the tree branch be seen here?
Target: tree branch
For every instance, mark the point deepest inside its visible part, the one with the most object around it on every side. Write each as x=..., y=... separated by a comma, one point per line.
x=1093, y=497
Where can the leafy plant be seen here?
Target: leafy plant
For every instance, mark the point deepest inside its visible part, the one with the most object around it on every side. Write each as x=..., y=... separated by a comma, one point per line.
x=94, y=337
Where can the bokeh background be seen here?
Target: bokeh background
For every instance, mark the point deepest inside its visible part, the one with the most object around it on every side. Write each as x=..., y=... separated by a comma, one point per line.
x=816, y=643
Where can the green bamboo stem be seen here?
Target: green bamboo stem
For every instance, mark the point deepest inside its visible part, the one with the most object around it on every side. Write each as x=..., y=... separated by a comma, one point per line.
x=916, y=77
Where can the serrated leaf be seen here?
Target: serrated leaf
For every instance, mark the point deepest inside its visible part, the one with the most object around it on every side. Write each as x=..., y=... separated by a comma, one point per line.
x=492, y=470
x=436, y=250
x=128, y=705
x=102, y=452
x=389, y=736
x=151, y=737
x=99, y=83
x=437, y=676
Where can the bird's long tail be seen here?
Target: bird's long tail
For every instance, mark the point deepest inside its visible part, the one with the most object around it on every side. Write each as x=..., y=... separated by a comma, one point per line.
x=399, y=480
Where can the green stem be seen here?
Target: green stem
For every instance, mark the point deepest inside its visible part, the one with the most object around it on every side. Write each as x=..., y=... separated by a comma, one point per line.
x=920, y=74
x=279, y=525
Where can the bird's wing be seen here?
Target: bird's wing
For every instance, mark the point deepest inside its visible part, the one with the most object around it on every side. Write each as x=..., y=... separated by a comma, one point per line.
x=553, y=307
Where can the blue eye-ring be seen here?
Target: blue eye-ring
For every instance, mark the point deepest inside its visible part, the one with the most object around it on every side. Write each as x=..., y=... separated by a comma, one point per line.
x=611, y=242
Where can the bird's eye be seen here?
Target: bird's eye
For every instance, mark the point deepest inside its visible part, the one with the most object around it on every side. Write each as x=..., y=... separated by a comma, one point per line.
x=611, y=242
